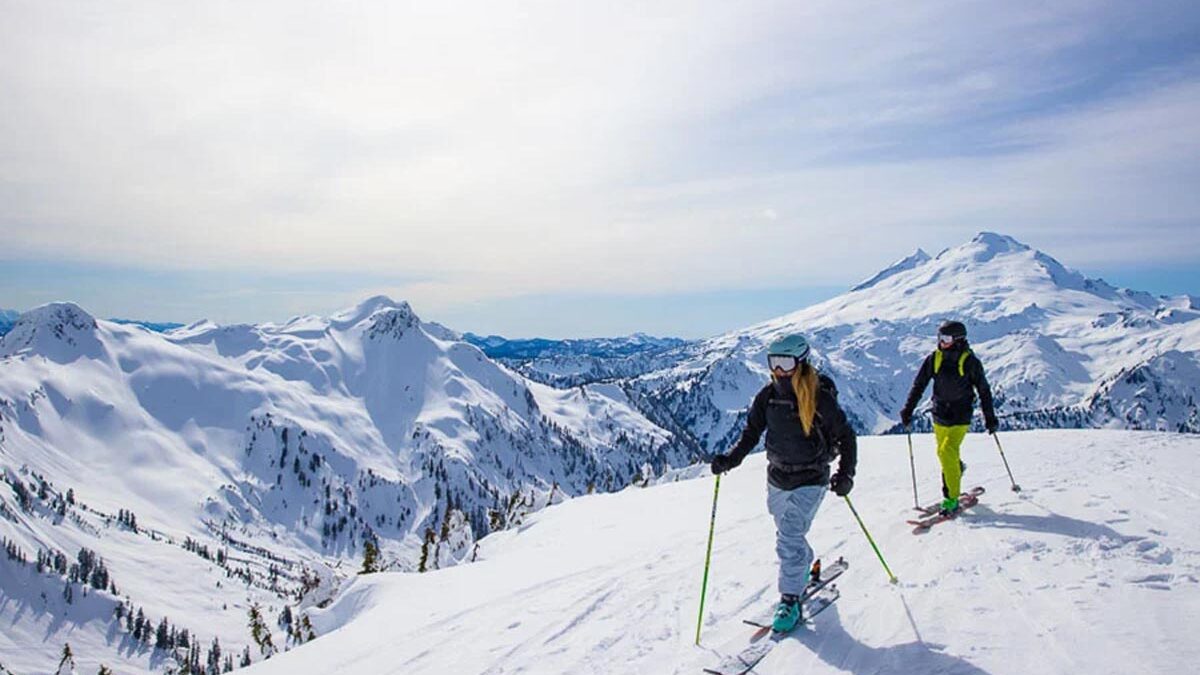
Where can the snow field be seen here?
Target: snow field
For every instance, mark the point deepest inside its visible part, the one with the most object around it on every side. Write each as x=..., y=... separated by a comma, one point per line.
x=1094, y=567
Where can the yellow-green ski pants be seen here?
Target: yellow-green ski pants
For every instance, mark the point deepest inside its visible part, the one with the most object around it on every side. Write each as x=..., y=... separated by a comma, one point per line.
x=949, y=440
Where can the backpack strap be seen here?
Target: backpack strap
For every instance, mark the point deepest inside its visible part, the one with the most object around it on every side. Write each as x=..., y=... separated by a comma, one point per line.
x=962, y=362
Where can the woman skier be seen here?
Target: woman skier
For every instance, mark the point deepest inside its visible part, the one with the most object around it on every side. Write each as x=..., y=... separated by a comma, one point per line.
x=806, y=430
x=957, y=373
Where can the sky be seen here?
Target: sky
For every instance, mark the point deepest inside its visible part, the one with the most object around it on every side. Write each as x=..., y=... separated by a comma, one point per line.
x=572, y=169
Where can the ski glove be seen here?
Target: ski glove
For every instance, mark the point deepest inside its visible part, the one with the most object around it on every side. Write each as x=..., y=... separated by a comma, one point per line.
x=991, y=424
x=723, y=463
x=841, y=484
x=906, y=417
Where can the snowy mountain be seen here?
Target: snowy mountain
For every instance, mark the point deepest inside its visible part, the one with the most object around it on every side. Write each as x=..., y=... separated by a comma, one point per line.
x=214, y=467
x=1076, y=574
x=1061, y=350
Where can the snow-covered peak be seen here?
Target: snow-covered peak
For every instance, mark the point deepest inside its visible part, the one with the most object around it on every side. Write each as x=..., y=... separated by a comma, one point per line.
x=903, y=265
x=61, y=331
x=392, y=321
x=991, y=244
x=985, y=247
x=990, y=277
x=59, y=313
x=368, y=308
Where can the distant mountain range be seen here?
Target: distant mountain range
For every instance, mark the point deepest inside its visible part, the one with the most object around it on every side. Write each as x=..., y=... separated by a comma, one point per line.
x=8, y=317
x=157, y=327
x=539, y=348
x=569, y=363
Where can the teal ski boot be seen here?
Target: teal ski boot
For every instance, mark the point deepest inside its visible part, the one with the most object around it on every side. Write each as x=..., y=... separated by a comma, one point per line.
x=787, y=614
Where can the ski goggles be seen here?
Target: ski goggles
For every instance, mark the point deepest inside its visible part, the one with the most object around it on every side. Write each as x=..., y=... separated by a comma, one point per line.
x=944, y=339
x=782, y=362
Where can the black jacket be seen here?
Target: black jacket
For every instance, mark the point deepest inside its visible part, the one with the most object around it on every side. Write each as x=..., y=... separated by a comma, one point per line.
x=953, y=400
x=798, y=459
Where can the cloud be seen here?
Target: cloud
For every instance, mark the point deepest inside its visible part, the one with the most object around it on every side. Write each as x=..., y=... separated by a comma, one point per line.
x=504, y=149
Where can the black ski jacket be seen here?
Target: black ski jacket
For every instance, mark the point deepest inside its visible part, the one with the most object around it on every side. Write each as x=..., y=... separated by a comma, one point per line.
x=798, y=459
x=953, y=400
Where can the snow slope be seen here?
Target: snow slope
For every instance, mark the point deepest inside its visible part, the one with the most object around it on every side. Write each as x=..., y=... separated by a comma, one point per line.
x=1061, y=350
x=268, y=455
x=1094, y=567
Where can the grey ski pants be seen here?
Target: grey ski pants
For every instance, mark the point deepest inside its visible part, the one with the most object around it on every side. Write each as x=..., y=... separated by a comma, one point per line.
x=793, y=511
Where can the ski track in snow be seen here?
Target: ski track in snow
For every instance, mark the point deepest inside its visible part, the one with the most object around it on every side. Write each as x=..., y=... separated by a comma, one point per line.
x=1093, y=567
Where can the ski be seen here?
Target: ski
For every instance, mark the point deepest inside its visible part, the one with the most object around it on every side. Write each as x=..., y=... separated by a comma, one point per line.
x=824, y=578
x=920, y=525
x=936, y=506
x=745, y=660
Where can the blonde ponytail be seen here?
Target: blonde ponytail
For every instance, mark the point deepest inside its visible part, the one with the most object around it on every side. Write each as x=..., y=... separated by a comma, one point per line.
x=804, y=383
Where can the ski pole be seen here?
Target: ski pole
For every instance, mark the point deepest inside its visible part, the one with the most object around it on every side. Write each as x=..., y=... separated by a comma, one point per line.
x=913, y=466
x=1015, y=487
x=891, y=577
x=712, y=524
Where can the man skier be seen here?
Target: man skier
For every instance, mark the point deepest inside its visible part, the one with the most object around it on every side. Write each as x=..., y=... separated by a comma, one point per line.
x=957, y=373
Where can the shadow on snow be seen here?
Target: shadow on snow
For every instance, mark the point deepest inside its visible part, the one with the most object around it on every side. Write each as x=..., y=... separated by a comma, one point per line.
x=832, y=644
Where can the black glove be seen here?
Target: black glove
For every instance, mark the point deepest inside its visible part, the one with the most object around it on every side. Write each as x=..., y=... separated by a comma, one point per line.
x=723, y=463
x=906, y=417
x=991, y=424
x=841, y=484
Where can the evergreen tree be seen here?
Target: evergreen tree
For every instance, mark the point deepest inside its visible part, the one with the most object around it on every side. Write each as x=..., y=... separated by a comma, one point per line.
x=370, y=558
x=104, y=670
x=259, y=631
x=194, y=658
x=423, y=563
x=162, y=636
x=214, y=658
